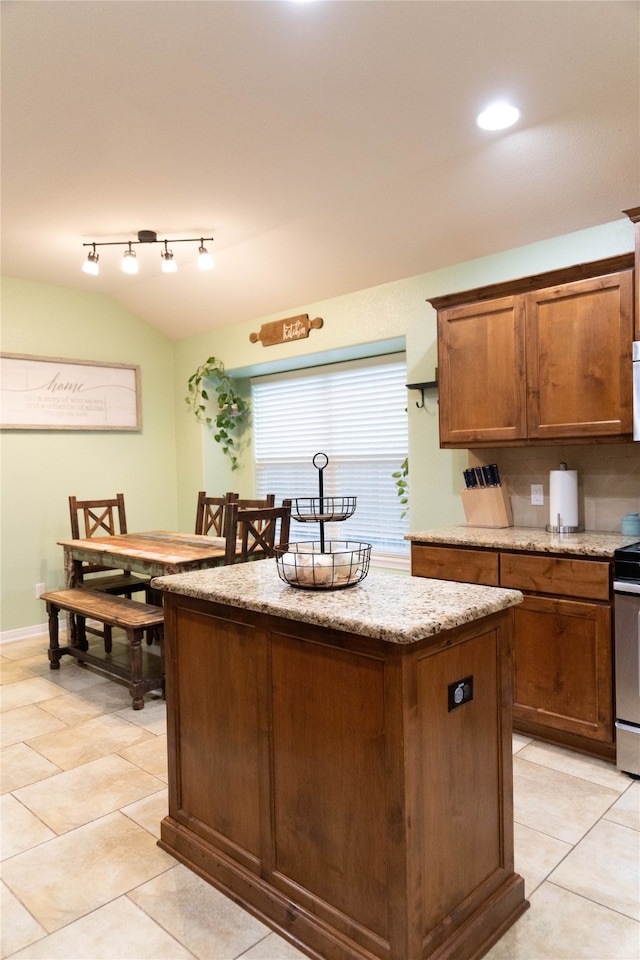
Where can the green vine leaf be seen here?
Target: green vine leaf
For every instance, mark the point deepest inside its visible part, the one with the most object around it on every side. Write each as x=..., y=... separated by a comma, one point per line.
x=232, y=410
x=402, y=485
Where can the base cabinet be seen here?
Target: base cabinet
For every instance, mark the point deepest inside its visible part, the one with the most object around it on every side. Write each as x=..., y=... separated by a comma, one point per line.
x=562, y=647
x=562, y=668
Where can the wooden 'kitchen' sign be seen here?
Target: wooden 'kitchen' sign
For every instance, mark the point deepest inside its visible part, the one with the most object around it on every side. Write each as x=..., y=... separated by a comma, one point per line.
x=280, y=331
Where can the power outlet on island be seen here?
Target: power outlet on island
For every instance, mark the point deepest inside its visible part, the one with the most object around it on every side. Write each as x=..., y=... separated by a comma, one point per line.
x=537, y=495
x=460, y=692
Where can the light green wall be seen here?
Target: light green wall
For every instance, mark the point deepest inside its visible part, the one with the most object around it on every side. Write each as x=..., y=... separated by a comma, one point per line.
x=41, y=468
x=161, y=469
x=387, y=312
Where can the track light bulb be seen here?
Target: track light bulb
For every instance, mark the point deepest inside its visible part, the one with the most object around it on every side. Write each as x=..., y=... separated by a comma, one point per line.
x=168, y=263
x=129, y=262
x=91, y=263
x=205, y=260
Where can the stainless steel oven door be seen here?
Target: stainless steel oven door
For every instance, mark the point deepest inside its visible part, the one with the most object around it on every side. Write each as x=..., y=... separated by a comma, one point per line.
x=627, y=659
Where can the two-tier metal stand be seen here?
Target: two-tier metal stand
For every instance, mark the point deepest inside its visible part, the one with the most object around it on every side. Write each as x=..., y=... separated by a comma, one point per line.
x=325, y=565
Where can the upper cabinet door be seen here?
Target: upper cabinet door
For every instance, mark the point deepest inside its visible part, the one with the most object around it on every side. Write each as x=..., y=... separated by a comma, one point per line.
x=578, y=338
x=481, y=360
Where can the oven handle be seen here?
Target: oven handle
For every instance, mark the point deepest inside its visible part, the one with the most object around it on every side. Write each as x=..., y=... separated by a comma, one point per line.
x=629, y=727
x=626, y=586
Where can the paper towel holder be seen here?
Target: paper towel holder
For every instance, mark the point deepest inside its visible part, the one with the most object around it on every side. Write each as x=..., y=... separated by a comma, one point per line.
x=558, y=528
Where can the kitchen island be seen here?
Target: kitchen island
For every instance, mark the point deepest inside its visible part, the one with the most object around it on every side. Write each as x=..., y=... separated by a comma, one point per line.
x=340, y=761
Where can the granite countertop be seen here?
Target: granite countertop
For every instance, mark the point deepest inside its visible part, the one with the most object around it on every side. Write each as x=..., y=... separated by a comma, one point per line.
x=588, y=544
x=396, y=609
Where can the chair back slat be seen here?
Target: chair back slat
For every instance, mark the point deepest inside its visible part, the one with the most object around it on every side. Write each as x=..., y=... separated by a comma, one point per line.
x=99, y=517
x=252, y=533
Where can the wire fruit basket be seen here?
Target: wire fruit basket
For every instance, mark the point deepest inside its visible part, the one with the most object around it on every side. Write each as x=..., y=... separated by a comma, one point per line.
x=323, y=565
x=342, y=563
x=325, y=509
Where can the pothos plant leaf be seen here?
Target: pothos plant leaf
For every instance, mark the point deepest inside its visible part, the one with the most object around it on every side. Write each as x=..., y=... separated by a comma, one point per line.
x=402, y=484
x=232, y=410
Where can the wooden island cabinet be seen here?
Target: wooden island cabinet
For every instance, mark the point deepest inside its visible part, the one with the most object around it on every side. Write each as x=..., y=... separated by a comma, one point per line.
x=540, y=359
x=340, y=761
x=563, y=639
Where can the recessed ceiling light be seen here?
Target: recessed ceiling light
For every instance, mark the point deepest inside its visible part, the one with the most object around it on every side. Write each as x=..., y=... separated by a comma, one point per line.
x=498, y=116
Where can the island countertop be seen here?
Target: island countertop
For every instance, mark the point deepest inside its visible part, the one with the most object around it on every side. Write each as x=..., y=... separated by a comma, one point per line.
x=535, y=539
x=396, y=609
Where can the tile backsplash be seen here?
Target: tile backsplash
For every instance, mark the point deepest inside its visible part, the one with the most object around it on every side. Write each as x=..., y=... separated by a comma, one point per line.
x=608, y=480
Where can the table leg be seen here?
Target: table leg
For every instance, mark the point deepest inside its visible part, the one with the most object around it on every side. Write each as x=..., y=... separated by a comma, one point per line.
x=72, y=577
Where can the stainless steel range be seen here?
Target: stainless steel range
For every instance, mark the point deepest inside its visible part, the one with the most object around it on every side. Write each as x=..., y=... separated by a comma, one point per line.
x=627, y=634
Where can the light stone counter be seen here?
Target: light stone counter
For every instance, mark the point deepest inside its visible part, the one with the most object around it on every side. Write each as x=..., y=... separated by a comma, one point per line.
x=391, y=608
x=588, y=544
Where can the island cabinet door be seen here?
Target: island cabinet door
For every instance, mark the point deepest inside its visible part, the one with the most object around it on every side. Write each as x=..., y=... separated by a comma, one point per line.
x=329, y=782
x=216, y=669
x=465, y=808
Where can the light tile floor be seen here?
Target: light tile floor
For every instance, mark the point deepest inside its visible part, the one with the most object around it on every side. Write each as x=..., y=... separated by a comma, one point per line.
x=82, y=876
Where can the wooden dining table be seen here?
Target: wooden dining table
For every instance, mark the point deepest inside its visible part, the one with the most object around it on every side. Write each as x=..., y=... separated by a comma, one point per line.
x=153, y=553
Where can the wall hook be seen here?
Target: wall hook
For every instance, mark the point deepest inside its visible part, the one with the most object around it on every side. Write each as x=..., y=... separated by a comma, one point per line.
x=431, y=385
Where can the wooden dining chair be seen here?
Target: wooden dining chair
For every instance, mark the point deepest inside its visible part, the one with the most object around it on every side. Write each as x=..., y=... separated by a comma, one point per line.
x=104, y=518
x=253, y=533
x=210, y=514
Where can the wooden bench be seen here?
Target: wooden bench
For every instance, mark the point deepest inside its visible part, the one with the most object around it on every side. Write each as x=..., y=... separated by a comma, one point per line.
x=114, y=611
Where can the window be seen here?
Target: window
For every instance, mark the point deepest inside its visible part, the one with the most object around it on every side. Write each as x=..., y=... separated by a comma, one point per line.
x=355, y=413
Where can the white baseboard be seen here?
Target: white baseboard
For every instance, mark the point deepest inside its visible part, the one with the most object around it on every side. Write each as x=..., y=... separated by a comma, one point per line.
x=37, y=630
x=23, y=633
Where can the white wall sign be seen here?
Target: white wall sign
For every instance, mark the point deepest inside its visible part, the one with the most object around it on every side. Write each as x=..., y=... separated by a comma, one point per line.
x=51, y=393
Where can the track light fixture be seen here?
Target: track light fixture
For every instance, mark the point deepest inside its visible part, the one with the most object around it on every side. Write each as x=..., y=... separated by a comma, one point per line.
x=91, y=264
x=129, y=259
x=168, y=263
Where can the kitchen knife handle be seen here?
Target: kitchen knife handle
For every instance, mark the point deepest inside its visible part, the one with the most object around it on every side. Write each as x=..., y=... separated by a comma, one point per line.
x=495, y=474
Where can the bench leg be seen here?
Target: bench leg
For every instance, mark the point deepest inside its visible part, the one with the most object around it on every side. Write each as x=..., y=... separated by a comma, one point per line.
x=136, y=685
x=54, y=646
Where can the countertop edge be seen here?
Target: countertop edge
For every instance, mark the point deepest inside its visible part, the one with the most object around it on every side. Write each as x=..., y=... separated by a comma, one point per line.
x=392, y=609
x=589, y=543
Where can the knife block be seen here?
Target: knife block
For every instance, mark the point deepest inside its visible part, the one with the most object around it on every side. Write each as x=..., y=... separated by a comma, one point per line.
x=487, y=507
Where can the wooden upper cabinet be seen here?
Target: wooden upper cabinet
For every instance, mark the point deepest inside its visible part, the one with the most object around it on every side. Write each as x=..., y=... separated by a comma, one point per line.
x=543, y=358
x=481, y=358
x=578, y=358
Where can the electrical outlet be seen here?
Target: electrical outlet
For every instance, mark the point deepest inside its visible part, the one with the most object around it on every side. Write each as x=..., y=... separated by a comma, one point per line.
x=40, y=588
x=537, y=496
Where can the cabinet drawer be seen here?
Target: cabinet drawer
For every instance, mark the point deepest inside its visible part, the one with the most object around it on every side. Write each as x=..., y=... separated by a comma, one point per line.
x=560, y=576
x=447, y=563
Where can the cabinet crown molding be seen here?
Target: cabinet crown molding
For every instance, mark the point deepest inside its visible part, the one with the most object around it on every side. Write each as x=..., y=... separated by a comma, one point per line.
x=552, y=278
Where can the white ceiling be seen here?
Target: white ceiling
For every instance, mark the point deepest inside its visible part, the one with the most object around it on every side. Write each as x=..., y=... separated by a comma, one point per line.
x=327, y=146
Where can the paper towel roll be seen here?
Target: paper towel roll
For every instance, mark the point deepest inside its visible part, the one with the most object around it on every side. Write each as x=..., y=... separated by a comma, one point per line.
x=563, y=498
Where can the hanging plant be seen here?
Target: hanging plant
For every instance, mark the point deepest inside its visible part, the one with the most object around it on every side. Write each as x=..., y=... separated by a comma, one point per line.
x=402, y=485
x=232, y=412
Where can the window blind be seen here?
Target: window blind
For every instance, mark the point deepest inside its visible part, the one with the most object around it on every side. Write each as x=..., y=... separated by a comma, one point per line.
x=355, y=413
